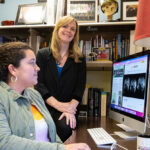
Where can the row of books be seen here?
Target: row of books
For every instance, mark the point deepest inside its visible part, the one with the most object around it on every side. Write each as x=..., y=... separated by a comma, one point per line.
x=95, y=103
x=99, y=48
x=4, y=39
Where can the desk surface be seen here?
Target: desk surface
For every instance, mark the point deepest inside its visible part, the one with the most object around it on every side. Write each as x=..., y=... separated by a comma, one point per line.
x=81, y=134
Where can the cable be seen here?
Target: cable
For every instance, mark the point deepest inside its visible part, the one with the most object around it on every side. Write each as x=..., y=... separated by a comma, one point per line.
x=114, y=146
x=122, y=147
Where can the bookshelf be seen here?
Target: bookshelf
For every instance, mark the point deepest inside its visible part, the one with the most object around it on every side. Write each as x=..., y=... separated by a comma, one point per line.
x=95, y=68
x=99, y=65
x=98, y=72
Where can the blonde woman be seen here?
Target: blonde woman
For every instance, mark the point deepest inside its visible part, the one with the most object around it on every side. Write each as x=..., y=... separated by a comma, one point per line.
x=62, y=78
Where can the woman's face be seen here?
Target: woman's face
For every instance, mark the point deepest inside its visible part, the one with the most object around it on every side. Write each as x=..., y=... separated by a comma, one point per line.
x=27, y=71
x=67, y=32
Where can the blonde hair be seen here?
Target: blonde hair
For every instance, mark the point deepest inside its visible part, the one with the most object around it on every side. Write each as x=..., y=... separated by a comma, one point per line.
x=74, y=50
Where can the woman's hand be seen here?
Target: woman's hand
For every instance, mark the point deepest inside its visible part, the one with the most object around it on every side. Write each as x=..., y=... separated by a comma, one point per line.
x=69, y=107
x=77, y=146
x=70, y=119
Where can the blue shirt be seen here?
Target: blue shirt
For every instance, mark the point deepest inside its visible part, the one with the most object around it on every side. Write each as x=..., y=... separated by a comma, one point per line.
x=59, y=70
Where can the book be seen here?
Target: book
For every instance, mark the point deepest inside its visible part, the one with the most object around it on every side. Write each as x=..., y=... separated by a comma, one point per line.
x=90, y=102
x=96, y=101
x=103, y=103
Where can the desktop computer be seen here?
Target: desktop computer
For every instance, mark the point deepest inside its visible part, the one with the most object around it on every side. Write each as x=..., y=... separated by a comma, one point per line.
x=130, y=91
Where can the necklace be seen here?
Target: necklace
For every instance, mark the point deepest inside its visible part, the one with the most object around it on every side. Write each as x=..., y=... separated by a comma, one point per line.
x=61, y=59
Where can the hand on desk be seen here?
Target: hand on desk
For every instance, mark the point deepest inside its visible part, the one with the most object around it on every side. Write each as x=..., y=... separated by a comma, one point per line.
x=70, y=119
x=77, y=146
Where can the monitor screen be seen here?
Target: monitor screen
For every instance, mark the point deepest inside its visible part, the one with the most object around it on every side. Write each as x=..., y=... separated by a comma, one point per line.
x=129, y=89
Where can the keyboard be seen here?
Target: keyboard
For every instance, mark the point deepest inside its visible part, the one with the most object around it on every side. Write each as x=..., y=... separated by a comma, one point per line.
x=101, y=137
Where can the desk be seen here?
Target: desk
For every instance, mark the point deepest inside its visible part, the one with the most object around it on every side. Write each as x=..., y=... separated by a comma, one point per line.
x=81, y=134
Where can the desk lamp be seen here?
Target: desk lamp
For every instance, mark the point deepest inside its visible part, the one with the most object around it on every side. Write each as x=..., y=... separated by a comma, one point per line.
x=142, y=38
x=142, y=29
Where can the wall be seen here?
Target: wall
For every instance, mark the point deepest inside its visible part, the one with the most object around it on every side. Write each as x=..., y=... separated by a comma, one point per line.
x=99, y=79
x=8, y=10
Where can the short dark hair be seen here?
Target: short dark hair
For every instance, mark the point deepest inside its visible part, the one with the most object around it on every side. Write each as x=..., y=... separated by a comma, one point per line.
x=11, y=53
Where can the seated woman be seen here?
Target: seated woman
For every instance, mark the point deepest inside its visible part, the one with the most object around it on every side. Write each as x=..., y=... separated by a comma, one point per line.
x=25, y=123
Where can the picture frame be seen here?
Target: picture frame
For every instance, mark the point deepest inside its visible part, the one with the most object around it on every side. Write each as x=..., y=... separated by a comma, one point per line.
x=129, y=10
x=31, y=13
x=83, y=11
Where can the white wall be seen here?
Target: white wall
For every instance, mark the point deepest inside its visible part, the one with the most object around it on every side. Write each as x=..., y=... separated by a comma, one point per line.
x=8, y=10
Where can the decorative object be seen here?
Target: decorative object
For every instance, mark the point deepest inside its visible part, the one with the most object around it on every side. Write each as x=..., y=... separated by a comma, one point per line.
x=129, y=10
x=31, y=13
x=110, y=10
x=83, y=11
x=42, y=0
x=7, y=22
x=142, y=30
x=2, y=1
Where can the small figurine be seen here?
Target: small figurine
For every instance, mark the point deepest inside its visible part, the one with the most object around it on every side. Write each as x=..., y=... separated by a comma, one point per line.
x=109, y=8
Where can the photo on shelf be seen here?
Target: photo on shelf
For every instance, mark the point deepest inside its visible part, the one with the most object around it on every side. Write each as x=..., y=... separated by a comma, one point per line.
x=102, y=53
x=83, y=11
x=129, y=10
x=109, y=10
x=31, y=13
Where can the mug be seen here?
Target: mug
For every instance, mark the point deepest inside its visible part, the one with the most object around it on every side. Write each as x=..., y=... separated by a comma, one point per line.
x=143, y=142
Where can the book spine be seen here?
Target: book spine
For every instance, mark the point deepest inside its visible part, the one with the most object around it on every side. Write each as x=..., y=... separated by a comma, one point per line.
x=103, y=103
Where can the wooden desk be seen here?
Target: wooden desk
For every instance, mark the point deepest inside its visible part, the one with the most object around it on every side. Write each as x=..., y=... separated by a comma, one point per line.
x=81, y=134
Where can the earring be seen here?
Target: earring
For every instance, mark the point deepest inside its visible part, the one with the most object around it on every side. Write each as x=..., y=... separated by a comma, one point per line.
x=14, y=78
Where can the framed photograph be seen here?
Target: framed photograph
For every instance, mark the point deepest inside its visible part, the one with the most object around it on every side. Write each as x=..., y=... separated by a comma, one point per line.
x=129, y=10
x=83, y=11
x=2, y=1
x=31, y=13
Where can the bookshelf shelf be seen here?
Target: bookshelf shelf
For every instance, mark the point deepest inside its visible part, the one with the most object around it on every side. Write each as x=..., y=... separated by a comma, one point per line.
x=99, y=65
x=120, y=23
x=45, y=31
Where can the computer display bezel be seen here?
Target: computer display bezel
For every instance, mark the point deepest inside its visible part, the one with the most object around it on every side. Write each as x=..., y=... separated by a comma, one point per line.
x=147, y=78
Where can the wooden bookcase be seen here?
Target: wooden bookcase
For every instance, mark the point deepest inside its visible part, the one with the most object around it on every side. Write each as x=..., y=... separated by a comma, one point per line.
x=98, y=72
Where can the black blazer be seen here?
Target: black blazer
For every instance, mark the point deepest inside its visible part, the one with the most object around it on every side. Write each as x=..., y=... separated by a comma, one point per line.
x=71, y=83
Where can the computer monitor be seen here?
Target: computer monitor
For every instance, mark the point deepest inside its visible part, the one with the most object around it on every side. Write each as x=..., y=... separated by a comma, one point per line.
x=130, y=91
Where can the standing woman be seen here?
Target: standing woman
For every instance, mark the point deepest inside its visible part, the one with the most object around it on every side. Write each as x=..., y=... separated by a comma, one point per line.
x=62, y=75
